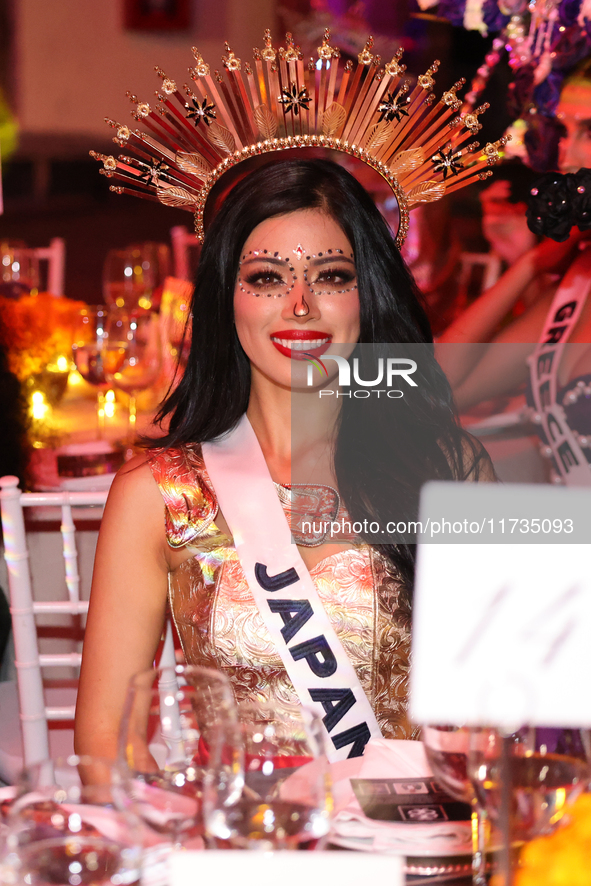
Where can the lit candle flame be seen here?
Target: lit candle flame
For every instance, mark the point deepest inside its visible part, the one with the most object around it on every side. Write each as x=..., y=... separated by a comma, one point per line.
x=39, y=406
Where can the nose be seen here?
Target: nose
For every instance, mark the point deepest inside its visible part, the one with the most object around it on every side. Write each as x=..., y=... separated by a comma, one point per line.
x=570, y=154
x=301, y=304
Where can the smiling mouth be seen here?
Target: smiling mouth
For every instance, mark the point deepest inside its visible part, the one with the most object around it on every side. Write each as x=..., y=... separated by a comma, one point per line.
x=299, y=345
x=302, y=348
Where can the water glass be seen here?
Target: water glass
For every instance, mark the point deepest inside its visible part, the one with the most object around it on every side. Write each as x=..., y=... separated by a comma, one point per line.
x=64, y=830
x=172, y=721
x=282, y=797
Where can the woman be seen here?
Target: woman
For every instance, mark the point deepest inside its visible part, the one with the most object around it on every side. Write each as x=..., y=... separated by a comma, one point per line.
x=479, y=373
x=297, y=260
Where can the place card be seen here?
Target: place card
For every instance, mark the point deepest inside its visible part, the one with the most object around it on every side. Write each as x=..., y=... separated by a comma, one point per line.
x=285, y=868
x=501, y=626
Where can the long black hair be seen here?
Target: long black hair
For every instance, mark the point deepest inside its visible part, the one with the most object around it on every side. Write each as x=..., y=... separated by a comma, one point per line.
x=377, y=463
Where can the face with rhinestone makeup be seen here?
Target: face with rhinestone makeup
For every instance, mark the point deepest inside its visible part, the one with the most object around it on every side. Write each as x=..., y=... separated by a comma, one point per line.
x=296, y=294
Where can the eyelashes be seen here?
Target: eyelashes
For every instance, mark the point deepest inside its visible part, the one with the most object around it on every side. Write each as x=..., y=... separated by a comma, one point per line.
x=336, y=276
x=271, y=281
x=272, y=278
x=266, y=280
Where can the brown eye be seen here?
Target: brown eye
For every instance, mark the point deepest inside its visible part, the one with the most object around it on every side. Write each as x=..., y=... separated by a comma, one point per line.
x=336, y=276
x=333, y=279
x=264, y=279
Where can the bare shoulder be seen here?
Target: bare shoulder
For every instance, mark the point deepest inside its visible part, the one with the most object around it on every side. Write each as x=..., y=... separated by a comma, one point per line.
x=135, y=477
x=135, y=505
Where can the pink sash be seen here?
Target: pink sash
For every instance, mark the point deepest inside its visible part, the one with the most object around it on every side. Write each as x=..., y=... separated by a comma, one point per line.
x=323, y=677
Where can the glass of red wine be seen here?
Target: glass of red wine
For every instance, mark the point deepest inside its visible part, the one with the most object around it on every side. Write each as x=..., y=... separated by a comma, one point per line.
x=96, y=357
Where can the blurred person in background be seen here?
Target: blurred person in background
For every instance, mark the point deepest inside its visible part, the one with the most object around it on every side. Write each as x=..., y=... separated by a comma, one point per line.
x=504, y=203
x=558, y=271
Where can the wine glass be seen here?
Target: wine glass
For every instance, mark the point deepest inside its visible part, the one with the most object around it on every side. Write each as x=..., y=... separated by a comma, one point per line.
x=137, y=337
x=156, y=263
x=282, y=799
x=19, y=269
x=172, y=720
x=133, y=277
x=63, y=831
x=448, y=751
x=176, y=333
x=96, y=355
x=544, y=768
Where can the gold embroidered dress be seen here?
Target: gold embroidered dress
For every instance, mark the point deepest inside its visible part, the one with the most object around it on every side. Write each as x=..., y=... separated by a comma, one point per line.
x=220, y=626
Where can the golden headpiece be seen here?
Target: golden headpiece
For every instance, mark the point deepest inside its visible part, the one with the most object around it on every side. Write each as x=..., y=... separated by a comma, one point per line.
x=418, y=145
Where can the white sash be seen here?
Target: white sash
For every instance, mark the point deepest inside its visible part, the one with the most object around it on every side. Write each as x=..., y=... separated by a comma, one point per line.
x=569, y=459
x=323, y=677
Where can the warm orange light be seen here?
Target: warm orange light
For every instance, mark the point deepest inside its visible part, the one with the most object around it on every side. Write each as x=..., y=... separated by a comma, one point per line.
x=110, y=404
x=39, y=406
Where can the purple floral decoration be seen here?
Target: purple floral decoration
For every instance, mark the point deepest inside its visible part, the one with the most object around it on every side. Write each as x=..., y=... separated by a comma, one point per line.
x=492, y=16
x=521, y=90
x=547, y=94
x=453, y=11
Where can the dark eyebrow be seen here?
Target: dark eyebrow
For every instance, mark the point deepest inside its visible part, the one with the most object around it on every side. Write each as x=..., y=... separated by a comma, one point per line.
x=316, y=262
x=331, y=259
x=266, y=258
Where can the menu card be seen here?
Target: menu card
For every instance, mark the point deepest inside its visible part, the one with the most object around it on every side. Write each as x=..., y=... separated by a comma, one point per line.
x=409, y=800
x=501, y=626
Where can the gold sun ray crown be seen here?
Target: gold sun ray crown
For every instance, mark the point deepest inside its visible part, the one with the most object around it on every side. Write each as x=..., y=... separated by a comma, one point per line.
x=190, y=138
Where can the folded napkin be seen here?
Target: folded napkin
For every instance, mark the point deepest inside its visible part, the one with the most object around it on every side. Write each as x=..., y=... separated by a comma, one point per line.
x=387, y=759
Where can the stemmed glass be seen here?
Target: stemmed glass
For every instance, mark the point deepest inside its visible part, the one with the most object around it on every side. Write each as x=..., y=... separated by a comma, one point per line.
x=96, y=355
x=547, y=768
x=139, y=337
x=173, y=719
x=19, y=269
x=448, y=751
x=63, y=831
x=133, y=277
x=282, y=799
